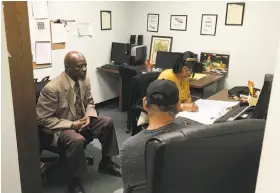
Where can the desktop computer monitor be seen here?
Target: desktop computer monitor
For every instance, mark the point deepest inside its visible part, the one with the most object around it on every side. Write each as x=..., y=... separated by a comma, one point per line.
x=120, y=53
x=166, y=60
x=263, y=102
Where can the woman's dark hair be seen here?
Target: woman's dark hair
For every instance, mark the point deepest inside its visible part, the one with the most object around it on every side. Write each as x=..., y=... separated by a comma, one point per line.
x=180, y=62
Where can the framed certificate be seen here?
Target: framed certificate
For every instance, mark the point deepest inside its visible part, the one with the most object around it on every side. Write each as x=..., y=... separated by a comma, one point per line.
x=235, y=14
x=208, y=24
x=159, y=43
x=178, y=22
x=106, y=20
x=152, y=22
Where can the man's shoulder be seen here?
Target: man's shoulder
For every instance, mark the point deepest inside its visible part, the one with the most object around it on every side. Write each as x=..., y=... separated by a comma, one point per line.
x=133, y=141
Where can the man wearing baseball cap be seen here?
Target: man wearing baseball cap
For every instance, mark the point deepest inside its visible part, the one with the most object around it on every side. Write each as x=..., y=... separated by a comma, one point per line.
x=162, y=104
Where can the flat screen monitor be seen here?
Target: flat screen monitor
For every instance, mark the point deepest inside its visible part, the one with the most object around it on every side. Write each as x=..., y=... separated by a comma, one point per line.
x=166, y=60
x=263, y=101
x=120, y=53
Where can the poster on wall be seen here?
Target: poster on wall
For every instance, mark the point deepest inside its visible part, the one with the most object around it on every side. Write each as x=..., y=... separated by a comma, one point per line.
x=178, y=22
x=159, y=43
x=42, y=30
x=212, y=62
x=152, y=22
x=208, y=24
x=235, y=14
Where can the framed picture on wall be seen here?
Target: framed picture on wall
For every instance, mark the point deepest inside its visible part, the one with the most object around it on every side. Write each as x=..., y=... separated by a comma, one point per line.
x=235, y=14
x=159, y=43
x=106, y=20
x=208, y=24
x=152, y=22
x=178, y=22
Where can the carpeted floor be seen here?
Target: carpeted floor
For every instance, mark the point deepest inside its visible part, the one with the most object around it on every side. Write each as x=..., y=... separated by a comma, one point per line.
x=93, y=181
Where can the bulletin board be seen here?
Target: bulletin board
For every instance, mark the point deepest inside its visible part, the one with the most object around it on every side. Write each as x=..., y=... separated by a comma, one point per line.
x=54, y=46
x=41, y=34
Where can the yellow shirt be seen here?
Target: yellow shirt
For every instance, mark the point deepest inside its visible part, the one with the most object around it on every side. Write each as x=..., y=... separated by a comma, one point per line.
x=183, y=86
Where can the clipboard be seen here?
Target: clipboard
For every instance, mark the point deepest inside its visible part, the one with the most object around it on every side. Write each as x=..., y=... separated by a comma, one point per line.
x=56, y=46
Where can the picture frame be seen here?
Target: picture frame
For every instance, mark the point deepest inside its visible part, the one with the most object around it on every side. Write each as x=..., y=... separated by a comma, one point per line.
x=106, y=20
x=178, y=22
x=215, y=62
x=208, y=24
x=152, y=22
x=235, y=14
x=159, y=43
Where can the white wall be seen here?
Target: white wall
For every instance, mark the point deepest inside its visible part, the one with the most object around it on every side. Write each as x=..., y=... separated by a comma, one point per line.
x=269, y=170
x=96, y=49
x=10, y=180
x=251, y=46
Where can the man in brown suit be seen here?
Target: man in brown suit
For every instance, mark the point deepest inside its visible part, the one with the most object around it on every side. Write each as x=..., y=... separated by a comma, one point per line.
x=66, y=108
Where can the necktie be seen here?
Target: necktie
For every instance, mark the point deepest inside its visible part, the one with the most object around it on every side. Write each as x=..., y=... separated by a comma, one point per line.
x=78, y=102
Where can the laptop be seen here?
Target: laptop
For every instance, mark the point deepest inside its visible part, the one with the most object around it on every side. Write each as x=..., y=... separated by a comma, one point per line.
x=247, y=112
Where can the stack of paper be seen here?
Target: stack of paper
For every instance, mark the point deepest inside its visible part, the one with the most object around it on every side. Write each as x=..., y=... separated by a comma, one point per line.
x=209, y=111
x=43, y=53
x=198, y=76
x=85, y=29
x=58, y=33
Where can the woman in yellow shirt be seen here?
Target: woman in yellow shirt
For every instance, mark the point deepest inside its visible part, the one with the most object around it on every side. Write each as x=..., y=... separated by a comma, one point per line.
x=180, y=74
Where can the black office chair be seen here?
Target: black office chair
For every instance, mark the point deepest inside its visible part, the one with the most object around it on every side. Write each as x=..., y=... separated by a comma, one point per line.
x=218, y=158
x=126, y=74
x=138, y=90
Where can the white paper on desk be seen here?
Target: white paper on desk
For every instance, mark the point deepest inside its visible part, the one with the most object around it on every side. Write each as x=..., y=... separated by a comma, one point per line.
x=42, y=30
x=40, y=9
x=43, y=53
x=58, y=33
x=209, y=111
x=85, y=29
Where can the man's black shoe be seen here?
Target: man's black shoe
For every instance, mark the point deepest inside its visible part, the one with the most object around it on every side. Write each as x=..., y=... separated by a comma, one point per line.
x=109, y=168
x=76, y=188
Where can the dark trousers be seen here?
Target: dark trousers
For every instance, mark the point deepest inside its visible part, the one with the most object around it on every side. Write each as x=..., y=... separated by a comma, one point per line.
x=72, y=144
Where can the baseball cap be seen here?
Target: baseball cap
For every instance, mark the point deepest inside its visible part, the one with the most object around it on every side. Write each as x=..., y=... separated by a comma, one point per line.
x=162, y=92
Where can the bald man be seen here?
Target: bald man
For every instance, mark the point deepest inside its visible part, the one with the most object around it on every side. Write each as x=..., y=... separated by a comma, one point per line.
x=66, y=109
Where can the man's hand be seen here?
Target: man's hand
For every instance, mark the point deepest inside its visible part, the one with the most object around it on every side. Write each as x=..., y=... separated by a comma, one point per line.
x=77, y=125
x=86, y=121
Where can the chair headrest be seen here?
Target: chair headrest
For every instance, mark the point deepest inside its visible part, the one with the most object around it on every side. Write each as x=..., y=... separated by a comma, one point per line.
x=214, y=158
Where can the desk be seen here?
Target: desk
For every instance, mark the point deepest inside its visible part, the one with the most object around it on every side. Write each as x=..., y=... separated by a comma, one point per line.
x=108, y=70
x=199, y=85
x=221, y=96
x=206, y=81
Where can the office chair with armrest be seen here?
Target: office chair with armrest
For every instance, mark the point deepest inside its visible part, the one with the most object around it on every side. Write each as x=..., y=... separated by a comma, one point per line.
x=45, y=135
x=218, y=158
x=138, y=90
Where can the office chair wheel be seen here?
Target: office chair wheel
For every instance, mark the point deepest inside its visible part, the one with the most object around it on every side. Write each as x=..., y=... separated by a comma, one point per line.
x=90, y=161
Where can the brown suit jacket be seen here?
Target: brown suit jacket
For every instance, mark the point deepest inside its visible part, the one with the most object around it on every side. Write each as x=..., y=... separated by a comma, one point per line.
x=56, y=108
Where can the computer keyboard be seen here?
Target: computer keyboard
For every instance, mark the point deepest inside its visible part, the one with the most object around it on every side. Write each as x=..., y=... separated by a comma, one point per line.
x=232, y=114
x=110, y=66
x=116, y=67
